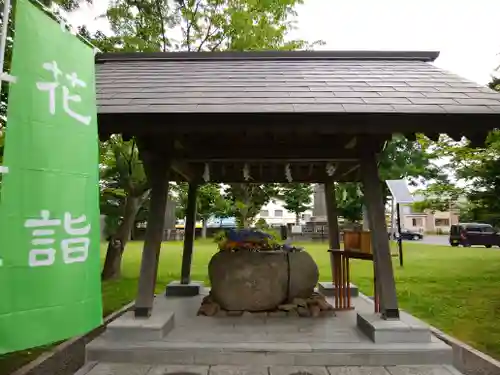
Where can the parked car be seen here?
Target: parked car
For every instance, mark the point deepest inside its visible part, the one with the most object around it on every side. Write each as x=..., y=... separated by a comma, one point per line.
x=469, y=234
x=409, y=235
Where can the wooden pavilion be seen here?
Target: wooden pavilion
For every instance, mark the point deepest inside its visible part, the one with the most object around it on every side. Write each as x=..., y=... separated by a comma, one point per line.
x=263, y=116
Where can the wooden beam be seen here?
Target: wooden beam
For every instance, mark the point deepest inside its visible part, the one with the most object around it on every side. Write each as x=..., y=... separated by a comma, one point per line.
x=185, y=170
x=227, y=172
x=231, y=124
x=477, y=139
x=271, y=154
x=373, y=195
x=352, y=143
x=189, y=233
x=410, y=136
x=432, y=136
x=347, y=171
x=158, y=177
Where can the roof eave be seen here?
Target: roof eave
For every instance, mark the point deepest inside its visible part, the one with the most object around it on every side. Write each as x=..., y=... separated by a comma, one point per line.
x=424, y=56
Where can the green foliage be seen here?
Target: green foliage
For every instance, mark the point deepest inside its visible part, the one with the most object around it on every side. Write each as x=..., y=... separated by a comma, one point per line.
x=478, y=169
x=247, y=200
x=275, y=234
x=122, y=177
x=122, y=171
x=261, y=224
x=439, y=196
x=206, y=25
x=297, y=197
x=400, y=159
x=485, y=192
x=411, y=160
x=349, y=200
x=494, y=84
x=209, y=201
x=67, y=5
x=220, y=236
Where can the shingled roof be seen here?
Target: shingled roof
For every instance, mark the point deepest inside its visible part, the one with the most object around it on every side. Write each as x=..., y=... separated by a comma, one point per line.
x=285, y=82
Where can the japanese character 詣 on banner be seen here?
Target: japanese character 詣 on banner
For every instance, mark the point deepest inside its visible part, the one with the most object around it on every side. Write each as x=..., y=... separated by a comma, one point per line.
x=49, y=210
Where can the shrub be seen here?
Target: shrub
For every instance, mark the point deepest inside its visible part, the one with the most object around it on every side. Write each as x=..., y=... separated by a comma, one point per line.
x=261, y=224
x=220, y=236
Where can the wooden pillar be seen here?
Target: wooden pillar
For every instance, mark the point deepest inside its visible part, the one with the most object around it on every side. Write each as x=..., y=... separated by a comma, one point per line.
x=333, y=233
x=373, y=194
x=189, y=233
x=331, y=214
x=157, y=171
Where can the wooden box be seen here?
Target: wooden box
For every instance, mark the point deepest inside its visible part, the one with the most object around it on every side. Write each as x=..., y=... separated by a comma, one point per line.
x=358, y=241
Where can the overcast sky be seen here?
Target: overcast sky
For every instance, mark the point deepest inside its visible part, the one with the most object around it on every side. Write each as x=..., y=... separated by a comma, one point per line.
x=466, y=32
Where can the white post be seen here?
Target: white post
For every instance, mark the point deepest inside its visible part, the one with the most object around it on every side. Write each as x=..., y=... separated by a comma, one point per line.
x=393, y=218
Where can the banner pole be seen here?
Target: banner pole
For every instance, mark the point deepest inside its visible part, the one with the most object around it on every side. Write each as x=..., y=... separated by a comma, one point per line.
x=3, y=38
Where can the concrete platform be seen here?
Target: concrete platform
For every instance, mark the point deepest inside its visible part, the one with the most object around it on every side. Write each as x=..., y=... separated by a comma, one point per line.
x=267, y=341
x=176, y=289
x=328, y=289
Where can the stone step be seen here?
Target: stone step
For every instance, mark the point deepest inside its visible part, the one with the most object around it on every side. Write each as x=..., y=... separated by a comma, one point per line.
x=283, y=354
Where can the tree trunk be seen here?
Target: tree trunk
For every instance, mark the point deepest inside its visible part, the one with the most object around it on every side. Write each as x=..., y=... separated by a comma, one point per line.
x=204, y=229
x=117, y=242
x=297, y=218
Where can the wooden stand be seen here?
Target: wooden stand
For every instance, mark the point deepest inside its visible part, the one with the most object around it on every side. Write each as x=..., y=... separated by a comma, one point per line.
x=342, y=279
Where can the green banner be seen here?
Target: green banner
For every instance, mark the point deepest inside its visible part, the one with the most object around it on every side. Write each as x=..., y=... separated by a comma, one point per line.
x=49, y=212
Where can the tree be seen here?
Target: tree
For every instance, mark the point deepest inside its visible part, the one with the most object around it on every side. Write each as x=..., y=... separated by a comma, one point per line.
x=484, y=191
x=349, y=201
x=247, y=200
x=439, y=196
x=400, y=159
x=67, y=5
x=206, y=25
x=124, y=188
x=478, y=170
x=411, y=160
x=209, y=202
x=297, y=197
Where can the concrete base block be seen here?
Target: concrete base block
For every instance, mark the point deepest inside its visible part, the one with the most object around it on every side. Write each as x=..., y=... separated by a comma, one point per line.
x=328, y=289
x=176, y=289
x=393, y=331
x=128, y=327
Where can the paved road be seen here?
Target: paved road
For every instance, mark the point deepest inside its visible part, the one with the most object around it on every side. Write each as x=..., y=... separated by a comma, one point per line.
x=430, y=239
x=435, y=240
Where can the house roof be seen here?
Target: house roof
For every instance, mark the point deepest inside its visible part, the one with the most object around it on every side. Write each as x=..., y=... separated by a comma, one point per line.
x=285, y=82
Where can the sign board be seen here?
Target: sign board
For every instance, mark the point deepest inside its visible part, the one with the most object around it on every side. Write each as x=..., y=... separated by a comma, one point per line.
x=399, y=191
x=50, y=285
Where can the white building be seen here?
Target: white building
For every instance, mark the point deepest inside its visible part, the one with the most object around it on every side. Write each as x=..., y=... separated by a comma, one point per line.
x=275, y=214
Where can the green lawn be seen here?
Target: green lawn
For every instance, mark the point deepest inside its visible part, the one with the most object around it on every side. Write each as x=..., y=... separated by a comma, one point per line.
x=455, y=289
